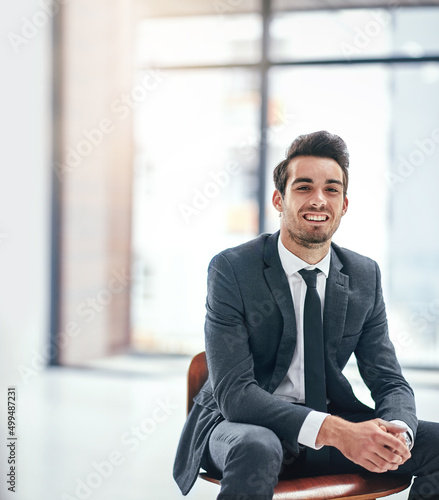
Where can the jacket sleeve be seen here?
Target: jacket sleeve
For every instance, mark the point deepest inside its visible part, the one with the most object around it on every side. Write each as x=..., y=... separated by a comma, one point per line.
x=231, y=363
x=380, y=369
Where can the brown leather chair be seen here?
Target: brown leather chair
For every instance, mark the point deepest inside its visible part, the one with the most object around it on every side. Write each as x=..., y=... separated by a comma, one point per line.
x=364, y=486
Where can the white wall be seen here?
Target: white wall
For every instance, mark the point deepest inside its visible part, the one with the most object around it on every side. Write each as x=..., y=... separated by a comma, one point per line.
x=25, y=186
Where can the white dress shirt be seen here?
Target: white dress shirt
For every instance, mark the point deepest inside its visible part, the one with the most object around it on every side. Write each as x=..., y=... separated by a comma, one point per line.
x=292, y=387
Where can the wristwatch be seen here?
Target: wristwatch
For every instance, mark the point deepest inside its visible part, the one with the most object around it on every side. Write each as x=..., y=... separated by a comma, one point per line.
x=408, y=439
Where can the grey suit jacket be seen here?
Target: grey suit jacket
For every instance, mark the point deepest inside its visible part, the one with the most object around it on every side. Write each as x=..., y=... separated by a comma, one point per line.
x=250, y=336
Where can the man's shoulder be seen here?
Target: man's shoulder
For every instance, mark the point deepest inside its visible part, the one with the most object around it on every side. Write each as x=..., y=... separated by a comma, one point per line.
x=250, y=246
x=352, y=260
x=250, y=252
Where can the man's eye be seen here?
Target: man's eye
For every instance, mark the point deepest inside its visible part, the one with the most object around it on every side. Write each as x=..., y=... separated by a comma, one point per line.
x=303, y=188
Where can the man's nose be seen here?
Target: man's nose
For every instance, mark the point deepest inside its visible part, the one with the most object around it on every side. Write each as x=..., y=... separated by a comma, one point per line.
x=318, y=198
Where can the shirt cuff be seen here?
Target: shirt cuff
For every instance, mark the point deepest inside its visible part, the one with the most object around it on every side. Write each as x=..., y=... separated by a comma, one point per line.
x=408, y=431
x=310, y=429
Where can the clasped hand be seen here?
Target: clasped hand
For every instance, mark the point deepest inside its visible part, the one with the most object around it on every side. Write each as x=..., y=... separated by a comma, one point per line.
x=376, y=445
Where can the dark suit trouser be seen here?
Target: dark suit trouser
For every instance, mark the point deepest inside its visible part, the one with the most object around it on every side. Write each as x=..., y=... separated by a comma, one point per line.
x=250, y=459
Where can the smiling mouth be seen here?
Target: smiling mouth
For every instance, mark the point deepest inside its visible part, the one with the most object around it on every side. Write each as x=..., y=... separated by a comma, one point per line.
x=315, y=217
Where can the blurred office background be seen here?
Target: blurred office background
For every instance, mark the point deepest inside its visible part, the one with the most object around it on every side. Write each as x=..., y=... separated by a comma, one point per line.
x=139, y=139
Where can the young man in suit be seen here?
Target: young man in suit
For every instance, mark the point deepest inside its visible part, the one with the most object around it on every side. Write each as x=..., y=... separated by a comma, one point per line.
x=284, y=314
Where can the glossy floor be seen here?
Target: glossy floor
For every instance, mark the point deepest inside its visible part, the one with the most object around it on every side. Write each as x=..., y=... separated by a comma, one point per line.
x=111, y=433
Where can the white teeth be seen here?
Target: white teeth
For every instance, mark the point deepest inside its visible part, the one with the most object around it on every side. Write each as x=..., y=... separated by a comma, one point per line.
x=316, y=217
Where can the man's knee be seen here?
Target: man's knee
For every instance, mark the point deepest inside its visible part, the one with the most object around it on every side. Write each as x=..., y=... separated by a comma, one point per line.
x=261, y=445
x=262, y=450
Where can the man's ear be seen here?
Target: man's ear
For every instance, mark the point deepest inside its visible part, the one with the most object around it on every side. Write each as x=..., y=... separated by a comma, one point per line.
x=345, y=205
x=277, y=201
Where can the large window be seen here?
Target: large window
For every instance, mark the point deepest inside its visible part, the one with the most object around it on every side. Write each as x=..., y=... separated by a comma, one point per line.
x=233, y=91
x=196, y=179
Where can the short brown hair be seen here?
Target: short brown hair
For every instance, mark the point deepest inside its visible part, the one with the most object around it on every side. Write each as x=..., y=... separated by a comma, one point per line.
x=322, y=144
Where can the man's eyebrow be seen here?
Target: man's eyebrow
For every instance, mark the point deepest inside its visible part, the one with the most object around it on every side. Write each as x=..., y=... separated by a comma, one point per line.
x=334, y=181
x=302, y=179
x=310, y=181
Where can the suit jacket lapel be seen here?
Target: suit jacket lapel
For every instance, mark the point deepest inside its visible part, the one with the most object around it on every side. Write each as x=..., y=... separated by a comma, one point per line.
x=334, y=315
x=278, y=284
x=336, y=301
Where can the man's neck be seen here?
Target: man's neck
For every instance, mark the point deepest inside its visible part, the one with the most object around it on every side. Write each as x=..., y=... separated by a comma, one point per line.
x=312, y=254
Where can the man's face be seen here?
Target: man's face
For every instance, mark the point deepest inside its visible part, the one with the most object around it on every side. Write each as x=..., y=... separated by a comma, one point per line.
x=313, y=204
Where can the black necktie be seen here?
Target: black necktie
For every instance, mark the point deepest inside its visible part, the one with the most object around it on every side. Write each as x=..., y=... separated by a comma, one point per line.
x=315, y=383
x=315, y=380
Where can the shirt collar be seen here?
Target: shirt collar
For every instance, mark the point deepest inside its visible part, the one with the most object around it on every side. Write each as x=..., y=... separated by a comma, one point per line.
x=292, y=264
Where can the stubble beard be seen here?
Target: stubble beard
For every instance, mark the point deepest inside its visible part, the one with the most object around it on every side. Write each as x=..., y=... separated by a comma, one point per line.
x=310, y=239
